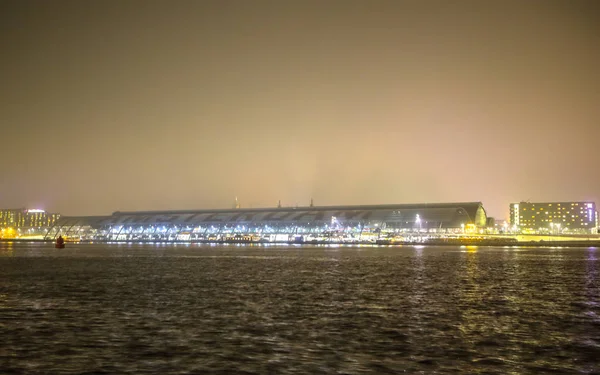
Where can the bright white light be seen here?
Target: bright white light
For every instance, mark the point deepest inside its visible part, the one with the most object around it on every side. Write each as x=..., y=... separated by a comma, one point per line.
x=35, y=211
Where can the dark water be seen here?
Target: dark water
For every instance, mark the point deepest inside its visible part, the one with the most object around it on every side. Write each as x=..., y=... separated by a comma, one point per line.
x=298, y=310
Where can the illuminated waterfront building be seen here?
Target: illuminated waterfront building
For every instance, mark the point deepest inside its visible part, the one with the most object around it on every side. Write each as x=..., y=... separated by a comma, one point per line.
x=554, y=217
x=22, y=222
x=281, y=224
x=23, y=218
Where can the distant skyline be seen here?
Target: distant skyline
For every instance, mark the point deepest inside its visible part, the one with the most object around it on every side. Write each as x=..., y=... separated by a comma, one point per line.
x=166, y=105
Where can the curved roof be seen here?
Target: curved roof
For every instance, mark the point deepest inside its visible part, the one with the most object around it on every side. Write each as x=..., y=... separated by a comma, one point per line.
x=471, y=206
x=430, y=214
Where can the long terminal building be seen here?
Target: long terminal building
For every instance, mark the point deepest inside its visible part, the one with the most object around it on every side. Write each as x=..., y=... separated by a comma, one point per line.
x=281, y=224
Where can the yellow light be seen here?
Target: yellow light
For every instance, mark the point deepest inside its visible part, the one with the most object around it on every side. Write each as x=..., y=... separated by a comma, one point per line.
x=8, y=232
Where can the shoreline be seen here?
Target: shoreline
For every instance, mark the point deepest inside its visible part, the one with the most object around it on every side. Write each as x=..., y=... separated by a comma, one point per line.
x=448, y=242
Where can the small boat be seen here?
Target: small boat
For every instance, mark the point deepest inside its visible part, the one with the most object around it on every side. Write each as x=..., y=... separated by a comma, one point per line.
x=60, y=243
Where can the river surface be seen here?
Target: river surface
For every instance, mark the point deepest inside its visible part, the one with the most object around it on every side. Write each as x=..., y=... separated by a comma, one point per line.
x=201, y=309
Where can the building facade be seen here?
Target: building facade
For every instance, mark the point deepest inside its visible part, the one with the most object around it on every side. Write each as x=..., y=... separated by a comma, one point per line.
x=23, y=222
x=24, y=218
x=281, y=224
x=554, y=217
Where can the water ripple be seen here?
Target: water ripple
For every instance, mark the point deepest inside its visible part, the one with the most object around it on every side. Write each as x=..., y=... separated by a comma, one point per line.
x=246, y=310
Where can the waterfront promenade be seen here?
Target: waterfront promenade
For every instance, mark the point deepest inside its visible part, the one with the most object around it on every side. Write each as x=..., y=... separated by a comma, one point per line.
x=471, y=240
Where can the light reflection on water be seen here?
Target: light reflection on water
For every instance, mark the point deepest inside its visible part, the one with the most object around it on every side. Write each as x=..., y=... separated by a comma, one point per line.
x=298, y=309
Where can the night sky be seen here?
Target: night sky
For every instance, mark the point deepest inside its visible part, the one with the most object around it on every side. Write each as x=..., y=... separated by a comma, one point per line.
x=151, y=105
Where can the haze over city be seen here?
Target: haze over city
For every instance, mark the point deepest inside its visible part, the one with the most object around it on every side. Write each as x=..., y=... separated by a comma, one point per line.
x=156, y=105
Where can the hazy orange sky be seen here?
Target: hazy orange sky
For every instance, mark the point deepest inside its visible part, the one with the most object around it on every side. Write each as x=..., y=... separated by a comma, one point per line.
x=147, y=105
